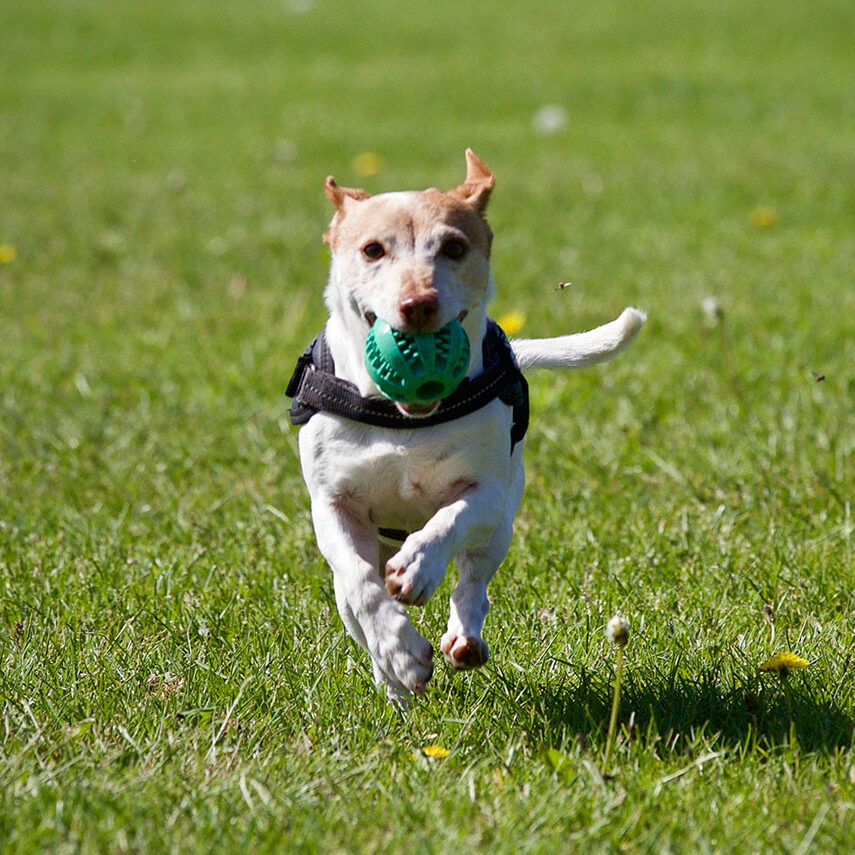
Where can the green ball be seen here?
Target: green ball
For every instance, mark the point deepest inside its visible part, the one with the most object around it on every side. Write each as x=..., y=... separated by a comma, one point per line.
x=416, y=368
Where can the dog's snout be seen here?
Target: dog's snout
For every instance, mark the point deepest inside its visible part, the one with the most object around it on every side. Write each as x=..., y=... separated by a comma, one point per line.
x=419, y=312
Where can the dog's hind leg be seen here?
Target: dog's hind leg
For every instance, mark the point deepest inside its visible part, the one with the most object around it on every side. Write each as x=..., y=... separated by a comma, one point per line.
x=462, y=644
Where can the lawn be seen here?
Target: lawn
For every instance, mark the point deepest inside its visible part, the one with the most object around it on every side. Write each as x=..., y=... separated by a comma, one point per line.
x=175, y=677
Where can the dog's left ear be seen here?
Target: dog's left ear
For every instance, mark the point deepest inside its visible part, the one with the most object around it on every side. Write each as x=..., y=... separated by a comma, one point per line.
x=475, y=190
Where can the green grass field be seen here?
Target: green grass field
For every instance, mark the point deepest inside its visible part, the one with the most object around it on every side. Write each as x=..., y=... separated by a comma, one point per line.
x=175, y=677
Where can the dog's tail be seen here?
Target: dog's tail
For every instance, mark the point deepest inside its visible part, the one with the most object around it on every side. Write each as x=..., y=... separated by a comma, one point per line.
x=580, y=349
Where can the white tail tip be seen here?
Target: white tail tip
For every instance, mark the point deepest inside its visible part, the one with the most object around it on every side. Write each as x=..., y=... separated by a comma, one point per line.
x=580, y=349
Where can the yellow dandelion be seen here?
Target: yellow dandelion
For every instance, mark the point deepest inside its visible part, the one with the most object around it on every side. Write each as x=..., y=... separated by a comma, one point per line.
x=511, y=322
x=368, y=163
x=782, y=663
x=8, y=253
x=436, y=751
x=764, y=218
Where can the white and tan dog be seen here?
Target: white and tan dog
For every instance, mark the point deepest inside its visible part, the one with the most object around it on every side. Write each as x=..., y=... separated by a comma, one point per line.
x=420, y=260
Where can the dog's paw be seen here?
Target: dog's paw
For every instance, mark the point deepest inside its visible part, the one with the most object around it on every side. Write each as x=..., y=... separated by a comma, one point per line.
x=405, y=659
x=396, y=692
x=464, y=652
x=413, y=576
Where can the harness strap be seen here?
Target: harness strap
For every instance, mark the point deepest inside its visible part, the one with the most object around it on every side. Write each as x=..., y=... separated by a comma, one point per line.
x=315, y=388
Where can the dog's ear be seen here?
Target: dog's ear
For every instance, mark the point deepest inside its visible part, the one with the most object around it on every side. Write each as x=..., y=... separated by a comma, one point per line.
x=337, y=194
x=475, y=190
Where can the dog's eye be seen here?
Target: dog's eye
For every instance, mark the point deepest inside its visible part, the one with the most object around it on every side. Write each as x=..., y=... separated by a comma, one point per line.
x=373, y=251
x=454, y=249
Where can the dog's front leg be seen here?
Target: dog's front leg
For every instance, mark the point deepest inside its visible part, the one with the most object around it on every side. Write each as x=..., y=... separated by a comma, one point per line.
x=401, y=657
x=418, y=568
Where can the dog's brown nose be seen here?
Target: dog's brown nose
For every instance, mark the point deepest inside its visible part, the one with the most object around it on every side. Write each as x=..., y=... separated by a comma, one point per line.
x=419, y=312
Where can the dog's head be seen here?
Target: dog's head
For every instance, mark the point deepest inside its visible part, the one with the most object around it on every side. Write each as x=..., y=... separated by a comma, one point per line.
x=417, y=260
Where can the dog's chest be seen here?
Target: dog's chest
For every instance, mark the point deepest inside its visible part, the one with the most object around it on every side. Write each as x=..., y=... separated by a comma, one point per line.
x=401, y=478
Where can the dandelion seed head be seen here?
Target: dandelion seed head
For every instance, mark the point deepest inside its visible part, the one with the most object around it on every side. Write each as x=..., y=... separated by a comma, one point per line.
x=549, y=119
x=617, y=631
x=712, y=310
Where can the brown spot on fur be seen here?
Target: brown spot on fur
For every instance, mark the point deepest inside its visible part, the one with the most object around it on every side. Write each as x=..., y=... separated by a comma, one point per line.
x=456, y=489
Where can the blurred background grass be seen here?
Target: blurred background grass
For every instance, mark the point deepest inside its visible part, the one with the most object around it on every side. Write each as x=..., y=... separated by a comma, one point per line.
x=161, y=167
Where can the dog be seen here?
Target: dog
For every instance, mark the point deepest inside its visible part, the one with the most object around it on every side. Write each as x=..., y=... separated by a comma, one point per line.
x=400, y=490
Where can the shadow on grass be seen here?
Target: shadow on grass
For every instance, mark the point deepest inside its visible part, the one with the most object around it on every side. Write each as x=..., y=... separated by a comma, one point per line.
x=678, y=710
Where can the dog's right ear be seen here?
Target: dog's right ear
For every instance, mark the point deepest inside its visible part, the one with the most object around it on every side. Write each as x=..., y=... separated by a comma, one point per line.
x=337, y=194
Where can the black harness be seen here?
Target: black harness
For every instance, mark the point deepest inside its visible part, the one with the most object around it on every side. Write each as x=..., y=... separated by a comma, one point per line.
x=315, y=388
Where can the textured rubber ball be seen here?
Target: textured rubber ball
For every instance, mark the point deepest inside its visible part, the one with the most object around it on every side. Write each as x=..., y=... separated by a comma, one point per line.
x=416, y=368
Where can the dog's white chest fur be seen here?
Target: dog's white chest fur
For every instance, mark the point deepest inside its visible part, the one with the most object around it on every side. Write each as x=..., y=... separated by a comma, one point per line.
x=400, y=478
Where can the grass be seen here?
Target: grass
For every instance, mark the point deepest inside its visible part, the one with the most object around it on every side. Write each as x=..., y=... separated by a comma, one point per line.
x=174, y=674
